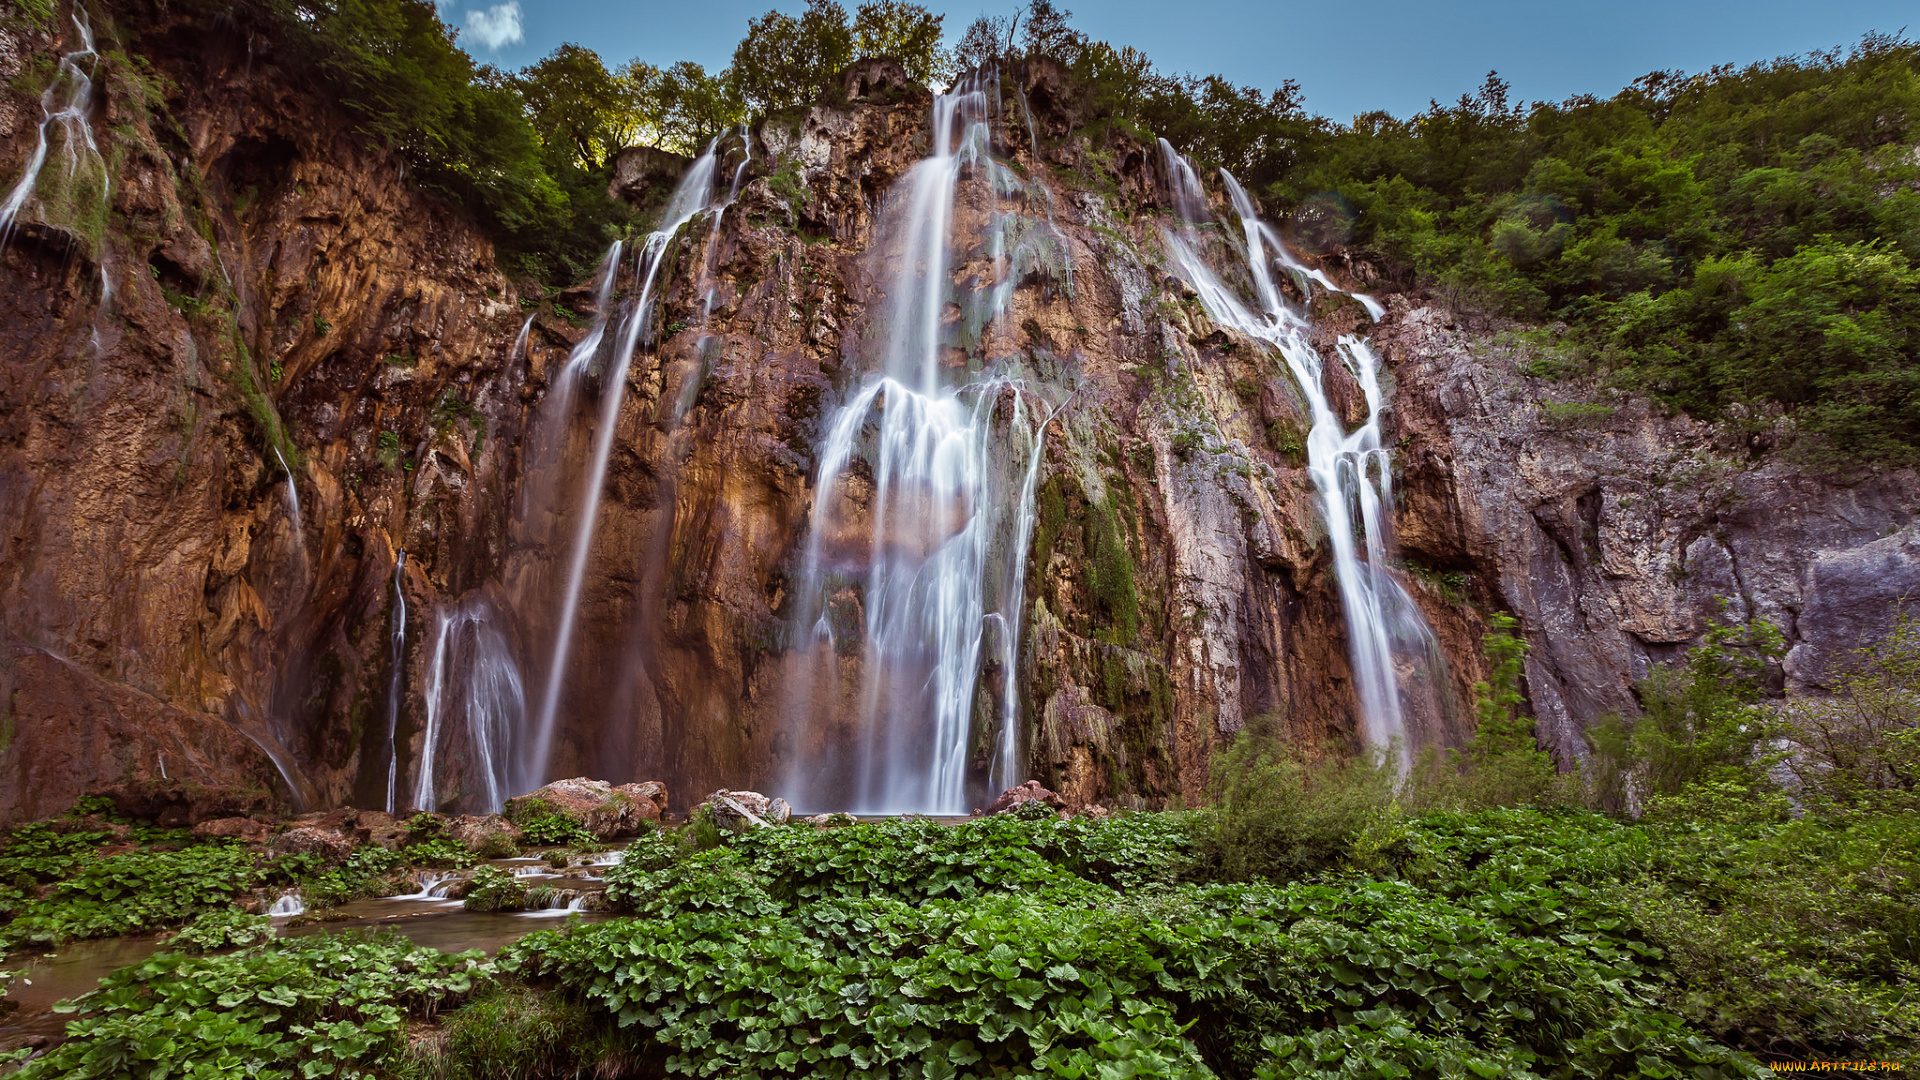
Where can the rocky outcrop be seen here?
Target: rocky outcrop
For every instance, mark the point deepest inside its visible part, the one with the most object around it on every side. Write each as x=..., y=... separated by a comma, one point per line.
x=1620, y=534
x=606, y=811
x=268, y=312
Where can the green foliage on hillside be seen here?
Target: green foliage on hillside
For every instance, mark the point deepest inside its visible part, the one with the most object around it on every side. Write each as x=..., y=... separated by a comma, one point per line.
x=1742, y=237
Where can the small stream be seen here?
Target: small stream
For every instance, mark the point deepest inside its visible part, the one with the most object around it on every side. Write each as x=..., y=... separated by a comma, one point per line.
x=419, y=916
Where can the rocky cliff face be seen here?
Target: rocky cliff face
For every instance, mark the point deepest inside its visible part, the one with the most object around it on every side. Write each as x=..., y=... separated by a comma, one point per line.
x=265, y=288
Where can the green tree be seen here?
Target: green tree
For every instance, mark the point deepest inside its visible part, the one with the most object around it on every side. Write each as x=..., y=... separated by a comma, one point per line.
x=907, y=32
x=785, y=63
x=985, y=42
x=574, y=101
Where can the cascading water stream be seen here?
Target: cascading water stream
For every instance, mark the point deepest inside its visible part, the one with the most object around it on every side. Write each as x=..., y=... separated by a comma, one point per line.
x=473, y=677
x=1352, y=471
x=689, y=198
x=399, y=658
x=70, y=112
x=938, y=515
x=293, y=512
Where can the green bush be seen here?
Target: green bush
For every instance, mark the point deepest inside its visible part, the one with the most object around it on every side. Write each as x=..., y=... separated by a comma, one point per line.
x=513, y=1033
x=131, y=893
x=1504, y=764
x=1277, y=817
x=554, y=830
x=363, y=874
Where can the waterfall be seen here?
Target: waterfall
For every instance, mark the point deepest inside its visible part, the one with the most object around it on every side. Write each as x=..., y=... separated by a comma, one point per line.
x=473, y=677
x=950, y=512
x=287, y=905
x=70, y=112
x=520, y=339
x=399, y=637
x=293, y=512
x=689, y=198
x=1352, y=471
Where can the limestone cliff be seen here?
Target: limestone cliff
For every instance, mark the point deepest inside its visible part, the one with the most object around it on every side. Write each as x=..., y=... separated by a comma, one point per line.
x=268, y=290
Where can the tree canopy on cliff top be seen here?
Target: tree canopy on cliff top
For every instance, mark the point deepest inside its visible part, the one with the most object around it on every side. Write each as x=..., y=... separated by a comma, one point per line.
x=1740, y=242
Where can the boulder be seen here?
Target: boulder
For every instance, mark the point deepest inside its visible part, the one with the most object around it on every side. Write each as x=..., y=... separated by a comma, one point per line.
x=379, y=828
x=733, y=808
x=490, y=837
x=174, y=803
x=330, y=844
x=605, y=811
x=878, y=79
x=644, y=173
x=1021, y=794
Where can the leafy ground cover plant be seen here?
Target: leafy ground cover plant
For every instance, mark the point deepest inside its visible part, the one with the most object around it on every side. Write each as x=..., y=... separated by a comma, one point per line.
x=224, y=928
x=132, y=892
x=322, y=1006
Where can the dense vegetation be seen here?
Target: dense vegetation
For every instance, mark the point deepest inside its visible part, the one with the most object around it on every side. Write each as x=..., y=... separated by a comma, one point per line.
x=1481, y=917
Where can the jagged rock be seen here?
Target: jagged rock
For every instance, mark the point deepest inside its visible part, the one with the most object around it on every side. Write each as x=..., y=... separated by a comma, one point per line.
x=877, y=79
x=1021, y=794
x=643, y=173
x=732, y=808
x=329, y=844
x=379, y=828
x=606, y=811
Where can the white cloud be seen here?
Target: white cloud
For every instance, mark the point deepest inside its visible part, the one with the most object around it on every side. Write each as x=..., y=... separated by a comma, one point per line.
x=498, y=25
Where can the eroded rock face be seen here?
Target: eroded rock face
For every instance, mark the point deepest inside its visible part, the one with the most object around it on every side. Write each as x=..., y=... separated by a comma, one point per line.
x=161, y=612
x=1623, y=535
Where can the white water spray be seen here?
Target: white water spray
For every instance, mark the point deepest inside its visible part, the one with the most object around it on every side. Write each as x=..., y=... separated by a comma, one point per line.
x=293, y=512
x=1352, y=471
x=473, y=677
x=941, y=556
x=393, y=681
x=65, y=104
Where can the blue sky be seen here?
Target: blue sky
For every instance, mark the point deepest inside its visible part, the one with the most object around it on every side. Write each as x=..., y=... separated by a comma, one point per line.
x=1388, y=54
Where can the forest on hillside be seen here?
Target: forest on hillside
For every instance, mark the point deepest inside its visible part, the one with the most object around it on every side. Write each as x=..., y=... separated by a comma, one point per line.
x=1740, y=242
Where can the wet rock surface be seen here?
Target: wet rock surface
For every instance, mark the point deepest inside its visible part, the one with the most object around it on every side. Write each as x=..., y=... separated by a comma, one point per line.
x=163, y=616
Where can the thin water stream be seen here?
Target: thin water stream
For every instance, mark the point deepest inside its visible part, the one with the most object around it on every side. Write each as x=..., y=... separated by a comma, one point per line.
x=1352, y=470
x=66, y=104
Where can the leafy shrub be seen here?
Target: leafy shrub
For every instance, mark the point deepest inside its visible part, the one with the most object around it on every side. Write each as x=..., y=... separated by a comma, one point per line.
x=1180, y=982
x=1504, y=764
x=1700, y=725
x=1860, y=747
x=514, y=1032
x=493, y=889
x=554, y=830
x=223, y=928
x=1277, y=817
x=364, y=874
